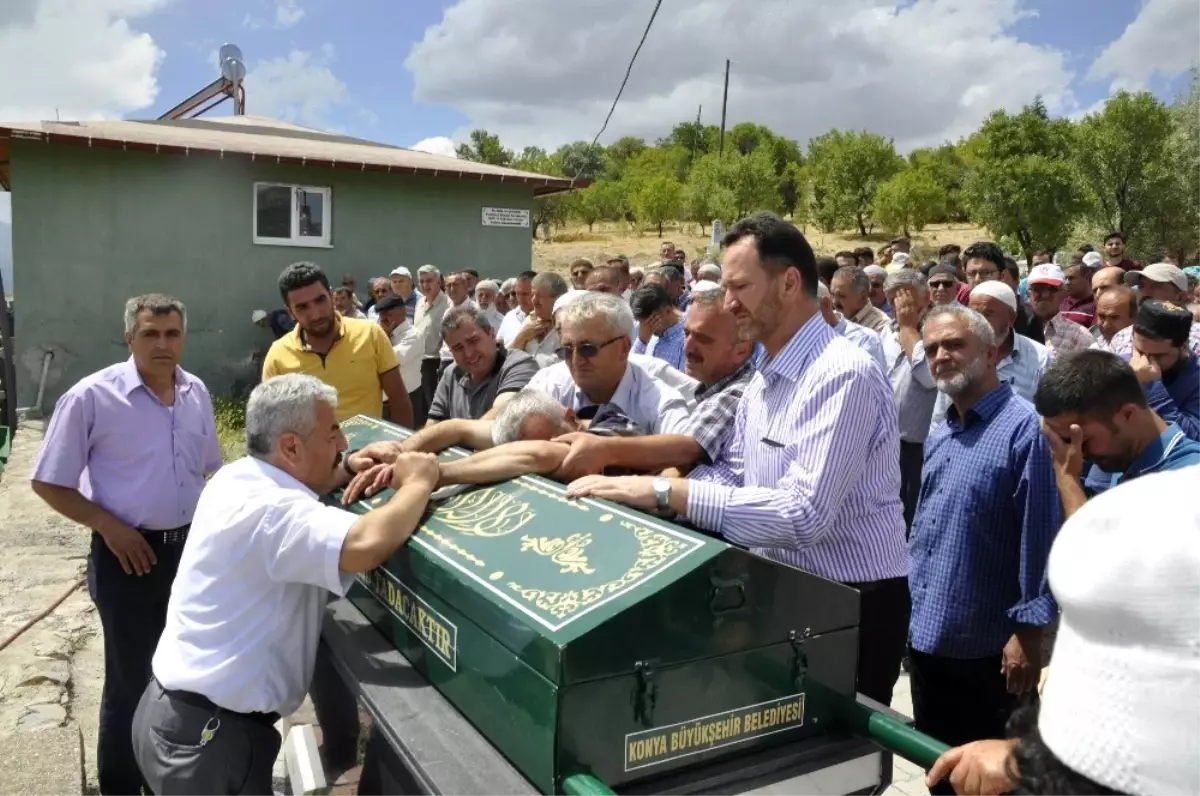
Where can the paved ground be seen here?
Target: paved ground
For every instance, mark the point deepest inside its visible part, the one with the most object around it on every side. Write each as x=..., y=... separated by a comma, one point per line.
x=50, y=678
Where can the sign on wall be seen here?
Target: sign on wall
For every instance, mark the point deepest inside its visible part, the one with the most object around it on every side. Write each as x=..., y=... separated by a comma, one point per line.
x=505, y=217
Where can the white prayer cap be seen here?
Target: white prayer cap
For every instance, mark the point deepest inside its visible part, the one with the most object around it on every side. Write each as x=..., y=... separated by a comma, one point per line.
x=1120, y=700
x=567, y=299
x=997, y=290
x=258, y=315
x=704, y=285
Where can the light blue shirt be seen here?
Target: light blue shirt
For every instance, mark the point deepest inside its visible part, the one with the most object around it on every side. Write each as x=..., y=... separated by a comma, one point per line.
x=647, y=401
x=1022, y=369
x=864, y=338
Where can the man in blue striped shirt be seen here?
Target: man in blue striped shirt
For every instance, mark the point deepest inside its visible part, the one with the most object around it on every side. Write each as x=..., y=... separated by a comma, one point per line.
x=660, y=325
x=811, y=474
x=987, y=515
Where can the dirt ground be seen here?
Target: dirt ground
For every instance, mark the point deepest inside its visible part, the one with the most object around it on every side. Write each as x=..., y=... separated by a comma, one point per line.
x=606, y=240
x=51, y=676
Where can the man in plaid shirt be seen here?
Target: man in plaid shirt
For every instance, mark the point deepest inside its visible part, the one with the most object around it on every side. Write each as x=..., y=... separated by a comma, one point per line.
x=722, y=363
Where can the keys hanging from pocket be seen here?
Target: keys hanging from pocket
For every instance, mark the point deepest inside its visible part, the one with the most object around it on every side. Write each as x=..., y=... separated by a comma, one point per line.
x=210, y=730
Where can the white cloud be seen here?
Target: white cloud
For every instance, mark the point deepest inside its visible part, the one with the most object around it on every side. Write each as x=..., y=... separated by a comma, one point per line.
x=438, y=145
x=77, y=59
x=544, y=72
x=1160, y=40
x=299, y=87
x=287, y=13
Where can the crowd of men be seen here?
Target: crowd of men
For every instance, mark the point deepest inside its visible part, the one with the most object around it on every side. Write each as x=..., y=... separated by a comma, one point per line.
x=918, y=433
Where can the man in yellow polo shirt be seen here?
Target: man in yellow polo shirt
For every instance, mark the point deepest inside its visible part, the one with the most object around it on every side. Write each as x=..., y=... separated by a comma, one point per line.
x=353, y=356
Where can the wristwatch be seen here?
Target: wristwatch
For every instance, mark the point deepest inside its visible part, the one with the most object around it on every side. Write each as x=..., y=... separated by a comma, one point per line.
x=346, y=461
x=662, y=493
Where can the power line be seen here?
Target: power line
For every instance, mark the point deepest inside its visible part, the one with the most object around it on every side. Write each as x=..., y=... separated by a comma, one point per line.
x=628, y=71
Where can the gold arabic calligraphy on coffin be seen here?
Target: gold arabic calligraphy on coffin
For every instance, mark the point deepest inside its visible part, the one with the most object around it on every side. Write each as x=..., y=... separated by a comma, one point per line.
x=487, y=513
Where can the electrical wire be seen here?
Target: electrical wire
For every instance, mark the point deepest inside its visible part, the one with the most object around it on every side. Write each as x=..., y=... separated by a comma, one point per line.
x=628, y=71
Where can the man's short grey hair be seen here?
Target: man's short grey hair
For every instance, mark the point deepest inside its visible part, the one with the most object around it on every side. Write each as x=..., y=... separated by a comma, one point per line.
x=552, y=282
x=508, y=422
x=906, y=277
x=614, y=309
x=456, y=317
x=507, y=284
x=859, y=281
x=429, y=269
x=281, y=405
x=707, y=297
x=976, y=323
x=156, y=304
x=488, y=284
x=710, y=271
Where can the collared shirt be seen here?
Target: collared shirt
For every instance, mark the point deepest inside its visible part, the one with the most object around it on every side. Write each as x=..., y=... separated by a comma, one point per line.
x=495, y=318
x=714, y=417
x=873, y=318
x=1177, y=399
x=1122, y=342
x=811, y=475
x=864, y=338
x=667, y=345
x=247, y=605
x=1172, y=450
x=510, y=327
x=987, y=514
x=677, y=380
x=458, y=397
x=1022, y=369
x=1064, y=335
x=912, y=387
x=352, y=366
x=427, y=318
x=406, y=342
x=647, y=401
x=1081, y=311
x=111, y=438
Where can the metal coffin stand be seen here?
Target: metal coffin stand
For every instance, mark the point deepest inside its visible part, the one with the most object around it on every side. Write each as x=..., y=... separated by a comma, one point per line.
x=535, y=644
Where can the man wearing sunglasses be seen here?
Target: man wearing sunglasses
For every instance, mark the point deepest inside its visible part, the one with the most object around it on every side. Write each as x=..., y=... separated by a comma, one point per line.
x=943, y=285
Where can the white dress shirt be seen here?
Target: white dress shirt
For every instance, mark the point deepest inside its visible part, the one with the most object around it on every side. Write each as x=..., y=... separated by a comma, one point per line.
x=495, y=318
x=246, y=607
x=654, y=406
x=685, y=384
x=510, y=327
x=406, y=342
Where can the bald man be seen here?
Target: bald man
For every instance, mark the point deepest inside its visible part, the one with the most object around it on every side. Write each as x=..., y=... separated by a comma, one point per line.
x=1115, y=310
x=1106, y=279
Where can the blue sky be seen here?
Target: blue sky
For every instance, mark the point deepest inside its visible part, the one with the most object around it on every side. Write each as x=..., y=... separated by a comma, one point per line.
x=370, y=40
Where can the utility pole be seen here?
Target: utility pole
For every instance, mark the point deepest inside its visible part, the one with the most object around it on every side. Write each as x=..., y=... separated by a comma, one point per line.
x=699, y=131
x=724, y=104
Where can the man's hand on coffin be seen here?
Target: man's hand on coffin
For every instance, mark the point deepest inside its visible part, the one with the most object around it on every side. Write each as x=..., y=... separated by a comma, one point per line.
x=376, y=453
x=588, y=455
x=367, y=483
x=635, y=491
x=411, y=469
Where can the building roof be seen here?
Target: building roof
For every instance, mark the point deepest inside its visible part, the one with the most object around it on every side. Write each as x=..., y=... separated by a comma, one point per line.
x=260, y=138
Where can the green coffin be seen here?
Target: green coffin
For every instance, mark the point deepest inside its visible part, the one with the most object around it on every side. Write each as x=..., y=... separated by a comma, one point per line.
x=583, y=637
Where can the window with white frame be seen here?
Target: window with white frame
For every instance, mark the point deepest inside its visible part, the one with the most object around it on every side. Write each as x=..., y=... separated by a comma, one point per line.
x=291, y=215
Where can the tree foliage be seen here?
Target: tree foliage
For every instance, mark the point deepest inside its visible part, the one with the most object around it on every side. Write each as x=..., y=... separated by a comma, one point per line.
x=847, y=168
x=1023, y=187
x=1034, y=181
x=909, y=201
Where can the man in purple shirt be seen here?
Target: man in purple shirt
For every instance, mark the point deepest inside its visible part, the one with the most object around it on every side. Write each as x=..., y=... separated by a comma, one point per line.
x=126, y=454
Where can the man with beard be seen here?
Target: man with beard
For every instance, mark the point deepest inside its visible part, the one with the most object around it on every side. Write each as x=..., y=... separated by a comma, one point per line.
x=1094, y=409
x=1164, y=364
x=355, y=357
x=987, y=516
x=1114, y=253
x=811, y=474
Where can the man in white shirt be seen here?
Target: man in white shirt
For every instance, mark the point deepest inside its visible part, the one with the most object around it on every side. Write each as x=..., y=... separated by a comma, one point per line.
x=523, y=295
x=427, y=319
x=406, y=342
x=537, y=336
x=245, y=612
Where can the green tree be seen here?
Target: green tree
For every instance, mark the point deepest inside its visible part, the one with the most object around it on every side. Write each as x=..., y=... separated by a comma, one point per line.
x=751, y=178
x=657, y=200
x=621, y=151
x=946, y=166
x=706, y=196
x=1170, y=216
x=1023, y=186
x=581, y=160
x=484, y=147
x=908, y=201
x=1119, y=154
x=847, y=168
x=602, y=200
x=791, y=189
x=546, y=209
x=668, y=161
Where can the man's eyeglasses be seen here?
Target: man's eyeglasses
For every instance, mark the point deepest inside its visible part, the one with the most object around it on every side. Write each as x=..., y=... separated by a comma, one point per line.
x=940, y=284
x=585, y=350
x=975, y=276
